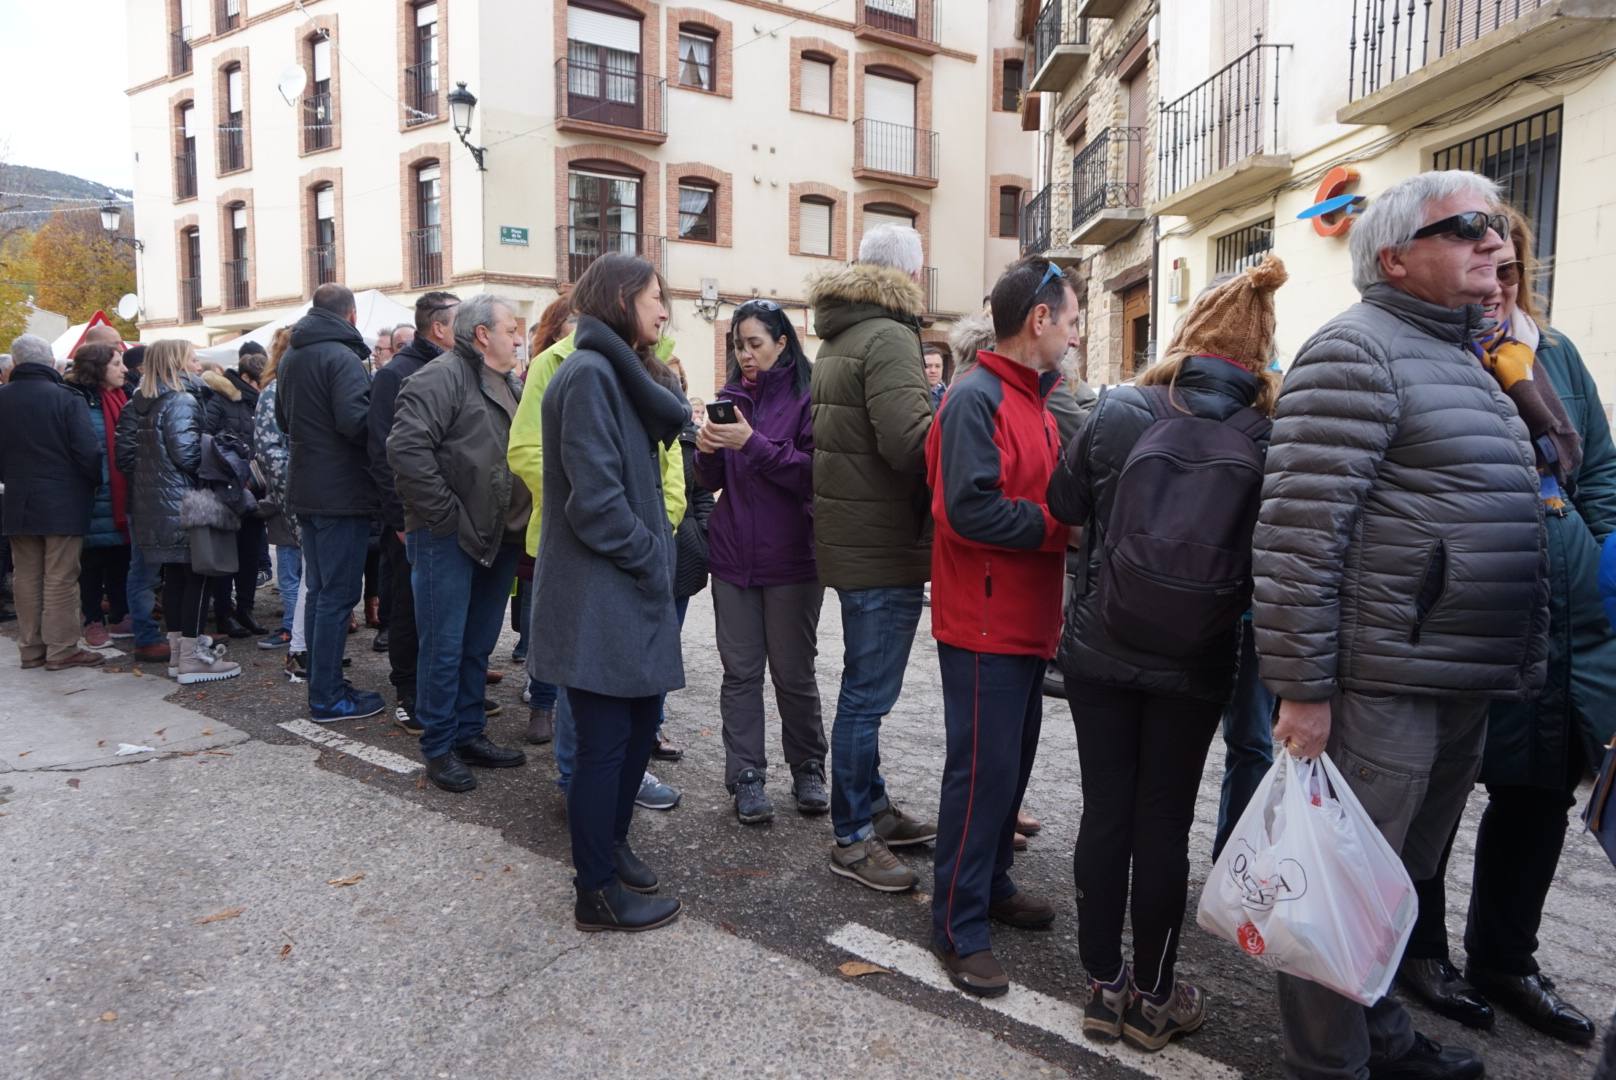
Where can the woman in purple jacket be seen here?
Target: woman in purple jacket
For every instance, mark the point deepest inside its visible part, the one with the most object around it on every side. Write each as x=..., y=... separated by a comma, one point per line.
x=766, y=591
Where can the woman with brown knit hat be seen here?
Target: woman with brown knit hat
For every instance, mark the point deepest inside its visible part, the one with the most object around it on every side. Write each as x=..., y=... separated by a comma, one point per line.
x=1165, y=477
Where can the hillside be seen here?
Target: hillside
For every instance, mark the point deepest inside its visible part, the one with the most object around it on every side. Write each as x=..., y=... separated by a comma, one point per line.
x=36, y=192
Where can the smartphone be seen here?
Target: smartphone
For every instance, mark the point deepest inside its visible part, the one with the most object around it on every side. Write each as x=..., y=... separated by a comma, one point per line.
x=721, y=411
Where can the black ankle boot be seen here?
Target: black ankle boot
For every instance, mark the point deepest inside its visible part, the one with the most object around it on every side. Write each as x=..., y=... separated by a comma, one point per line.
x=615, y=908
x=634, y=874
x=450, y=773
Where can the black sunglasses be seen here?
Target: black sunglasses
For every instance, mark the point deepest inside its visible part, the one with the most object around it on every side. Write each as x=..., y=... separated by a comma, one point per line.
x=1469, y=226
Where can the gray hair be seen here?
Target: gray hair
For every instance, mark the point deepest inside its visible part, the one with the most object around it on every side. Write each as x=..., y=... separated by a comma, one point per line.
x=480, y=310
x=897, y=246
x=403, y=326
x=1398, y=213
x=32, y=349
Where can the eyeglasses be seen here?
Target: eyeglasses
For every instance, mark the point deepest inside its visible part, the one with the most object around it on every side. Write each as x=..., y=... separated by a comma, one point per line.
x=1469, y=226
x=1509, y=273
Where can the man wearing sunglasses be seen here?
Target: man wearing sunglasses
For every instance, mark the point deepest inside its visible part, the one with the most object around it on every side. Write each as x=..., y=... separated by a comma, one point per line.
x=1399, y=566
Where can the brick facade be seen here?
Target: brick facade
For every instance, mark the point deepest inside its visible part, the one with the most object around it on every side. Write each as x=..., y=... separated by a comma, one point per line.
x=307, y=184
x=177, y=142
x=723, y=61
x=896, y=64
x=181, y=227
x=227, y=201
x=406, y=41
x=838, y=218
x=623, y=160
x=996, y=103
x=823, y=50
x=305, y=34
x=888, y=197
x=723, y=212
x=650, y=14
x=1001, y=180
x=221, y=108
x=408, y=162
x=217, y=20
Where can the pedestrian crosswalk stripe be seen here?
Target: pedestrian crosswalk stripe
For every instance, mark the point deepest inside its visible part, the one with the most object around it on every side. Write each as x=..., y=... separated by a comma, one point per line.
x=1063, y=1019
x=373, y=755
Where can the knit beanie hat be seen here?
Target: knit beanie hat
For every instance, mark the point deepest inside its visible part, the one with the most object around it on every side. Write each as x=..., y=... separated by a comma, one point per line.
x=1234, y=320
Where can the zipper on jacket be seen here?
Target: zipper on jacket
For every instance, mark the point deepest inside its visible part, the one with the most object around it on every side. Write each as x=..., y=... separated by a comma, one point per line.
x=987, y=594
x=1433, y=583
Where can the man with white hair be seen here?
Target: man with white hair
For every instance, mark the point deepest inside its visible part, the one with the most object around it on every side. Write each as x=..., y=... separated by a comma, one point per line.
x=1399, y=565
x=872, y=531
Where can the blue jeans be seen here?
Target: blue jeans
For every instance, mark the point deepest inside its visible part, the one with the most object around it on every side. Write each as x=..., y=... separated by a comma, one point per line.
x=334, y=574
x=1248, y=735
x=541, y=695
x=141, y=588
x=459, y=608
x=288, y=579
x=878, y=629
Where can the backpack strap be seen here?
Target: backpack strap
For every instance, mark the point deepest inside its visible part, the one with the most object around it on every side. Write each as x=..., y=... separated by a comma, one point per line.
x=1250, y=423
x=1160, y=401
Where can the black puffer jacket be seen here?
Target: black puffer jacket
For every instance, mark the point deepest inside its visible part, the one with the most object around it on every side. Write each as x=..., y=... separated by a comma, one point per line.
x=323, y=406
x=383, y=410
x=160, y=451
x=1083, y=491
x=50, y=461
x=230, y=407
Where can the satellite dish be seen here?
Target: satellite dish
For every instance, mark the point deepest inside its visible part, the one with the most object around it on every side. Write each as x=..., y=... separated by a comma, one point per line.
x=128, y=306
x=291, y=83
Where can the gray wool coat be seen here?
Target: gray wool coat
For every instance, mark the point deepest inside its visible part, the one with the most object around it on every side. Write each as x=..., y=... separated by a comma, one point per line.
x=605, y=565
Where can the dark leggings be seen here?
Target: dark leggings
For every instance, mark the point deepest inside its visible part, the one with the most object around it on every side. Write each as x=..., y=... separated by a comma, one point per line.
x=104, y=571
x=249, y=542
x=184, y=593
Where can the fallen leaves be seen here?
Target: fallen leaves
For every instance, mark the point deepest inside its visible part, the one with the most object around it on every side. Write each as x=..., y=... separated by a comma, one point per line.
x=207, y=731
x=25, y=753
x=344, y=882
x=108, y=1017
x=73, y=783
x=100, y=742
x=286, y=950
x=220, y=916
x=857, y=969
x=159, y=732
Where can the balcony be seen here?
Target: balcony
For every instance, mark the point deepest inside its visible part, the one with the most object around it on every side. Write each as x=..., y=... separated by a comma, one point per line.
x=190, y=300
x=1037, y=220
x=1221, y=141
x=928, y=285
x=426, y=256
x=237, y=293
x=1439, y=53
x=616, y=103
x=903, y=24
x=1107, y=179
x=894, y=154
x=184, y=176
x=319, y=122
x=420, y=94
x=226, y=16
x=232, y=146
x=1100, y=9
x=322, y=265
x=179, y=51
x=578, y=246
x=1058, y=48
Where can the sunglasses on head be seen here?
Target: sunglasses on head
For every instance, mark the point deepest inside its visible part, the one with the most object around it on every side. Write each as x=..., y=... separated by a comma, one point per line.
x=1469, y=226
x=758, y=305
x=1051, y=272
x=1509, y=273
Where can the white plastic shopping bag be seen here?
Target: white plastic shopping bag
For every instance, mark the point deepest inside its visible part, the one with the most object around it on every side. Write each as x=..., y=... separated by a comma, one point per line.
x=1308, y=886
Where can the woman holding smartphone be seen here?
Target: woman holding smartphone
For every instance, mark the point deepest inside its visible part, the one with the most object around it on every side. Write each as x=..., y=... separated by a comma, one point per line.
x=604, y=576
x=758, y=446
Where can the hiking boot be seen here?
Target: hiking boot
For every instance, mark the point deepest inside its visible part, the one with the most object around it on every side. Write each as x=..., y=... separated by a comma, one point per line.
x=404, y=716
x=633, y=874
x=898, y=829
x=978, y=973
x=156, y=653
x=752, y=805
x=655, y=795
x=76, y=658
x=95, y=635
x=616, y=908
x=808, y=788
x=1108, y=1004
x=200, y=662
x=870, y=862
x=540, y=725
x=1151, y=1025
x=1023, y=911
x=450, y=773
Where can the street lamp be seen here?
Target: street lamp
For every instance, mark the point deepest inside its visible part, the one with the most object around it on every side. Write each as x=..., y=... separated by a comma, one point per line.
x=462, y=103
x=111, y=215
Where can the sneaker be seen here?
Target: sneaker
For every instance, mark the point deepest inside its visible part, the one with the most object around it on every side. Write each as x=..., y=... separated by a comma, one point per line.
x=263, y=578
x=978, y=973
x=808, y=788
x=1149, y=1025
x=297, y=666
x=871, y=863
x=95, y=635
x=353, y=705
x=898, y=829
x=1023, y=911
x=404, y=717
x=201, y=662
x=752, y=805
x=123, y=628
x=655, y=795
x=1108, y=1003
x=275, y=639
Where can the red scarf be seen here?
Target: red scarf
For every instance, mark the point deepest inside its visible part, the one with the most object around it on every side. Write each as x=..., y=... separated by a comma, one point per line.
x=112, y=403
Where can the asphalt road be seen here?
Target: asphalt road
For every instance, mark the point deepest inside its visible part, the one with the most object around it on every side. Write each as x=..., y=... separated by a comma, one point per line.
x=768, y=886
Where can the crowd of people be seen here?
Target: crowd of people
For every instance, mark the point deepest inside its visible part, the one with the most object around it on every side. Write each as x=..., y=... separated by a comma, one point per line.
x=1391, y=556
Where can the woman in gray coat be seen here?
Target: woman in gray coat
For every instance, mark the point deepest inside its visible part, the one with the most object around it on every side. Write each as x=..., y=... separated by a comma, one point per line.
x=604, y=572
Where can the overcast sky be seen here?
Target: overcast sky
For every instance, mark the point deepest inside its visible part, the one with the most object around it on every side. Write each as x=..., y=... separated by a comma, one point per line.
x=67, y=67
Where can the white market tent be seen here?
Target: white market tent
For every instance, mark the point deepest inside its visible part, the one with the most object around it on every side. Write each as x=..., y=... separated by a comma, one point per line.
x=375, y=312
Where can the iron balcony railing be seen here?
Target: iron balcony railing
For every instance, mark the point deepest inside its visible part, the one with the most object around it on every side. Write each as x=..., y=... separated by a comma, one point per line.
x=1108, y=173
x=322, y=264
x=1391, y=38
x=617, y=97
x=426, y=256
x=420, y=93
x=179, y=51
x=1040, y=214
x=236, y=292
x=1232, y=116
x=185, y=175
x=1054, y=28
x=908, y=18
x=894, y=148
x=223, y=18
x=577, y=246
x=319, y=120
x=232, y=146
x=190, y=300
x=928, y=282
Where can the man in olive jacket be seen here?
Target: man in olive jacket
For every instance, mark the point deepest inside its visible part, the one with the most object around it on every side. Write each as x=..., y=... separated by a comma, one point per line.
x=872, y=527
x=1399, y=566
x=465, y=514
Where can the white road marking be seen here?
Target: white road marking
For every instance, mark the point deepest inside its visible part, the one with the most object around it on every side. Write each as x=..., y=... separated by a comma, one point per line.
x=373, y=755
x=1062, y=1019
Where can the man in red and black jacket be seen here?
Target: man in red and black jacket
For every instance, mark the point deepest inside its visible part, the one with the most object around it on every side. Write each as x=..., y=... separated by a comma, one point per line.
x=997, y=563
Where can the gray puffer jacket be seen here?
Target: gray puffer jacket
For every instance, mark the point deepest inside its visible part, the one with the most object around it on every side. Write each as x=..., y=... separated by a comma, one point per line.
x=160, y=450
x=1400, y=545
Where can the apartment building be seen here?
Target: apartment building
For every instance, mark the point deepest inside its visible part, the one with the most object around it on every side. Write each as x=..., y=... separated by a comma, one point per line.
x=739, y=144
x=1270, y=108
x=1092, y=96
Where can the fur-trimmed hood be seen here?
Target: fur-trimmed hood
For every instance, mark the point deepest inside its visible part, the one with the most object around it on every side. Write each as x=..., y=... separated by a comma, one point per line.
x=221, y=385
x=203, y=507
x=969, y=336
x=851, y=294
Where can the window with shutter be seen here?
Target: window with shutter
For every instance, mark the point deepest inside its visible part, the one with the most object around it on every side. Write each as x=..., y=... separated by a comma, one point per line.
x=813, y=227
x=607, y=31
x=816, y=76
x=322, y=62
x=876, y=216
x=1010, y=212
x=233, y=91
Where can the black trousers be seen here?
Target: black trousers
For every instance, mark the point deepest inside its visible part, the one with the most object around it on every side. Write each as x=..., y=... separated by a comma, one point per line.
x=402, y=642
x=615, y=736
x=243, y=585
x=104, y=571
x=1142, y=757
x=184, y=593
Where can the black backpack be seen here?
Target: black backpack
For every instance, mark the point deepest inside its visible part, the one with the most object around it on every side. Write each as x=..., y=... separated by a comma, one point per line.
x=1176, y=576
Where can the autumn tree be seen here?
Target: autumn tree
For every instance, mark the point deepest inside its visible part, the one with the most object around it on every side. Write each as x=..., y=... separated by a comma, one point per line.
x=16, y=285
x=78, y=271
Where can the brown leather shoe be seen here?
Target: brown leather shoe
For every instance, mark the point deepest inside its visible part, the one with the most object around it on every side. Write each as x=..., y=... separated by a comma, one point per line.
x=1018, y=842
x=1027, y=825
x=76, y=658
x=493, y=677
x=153, y=654
x=1023, y=911
x=978, y=973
